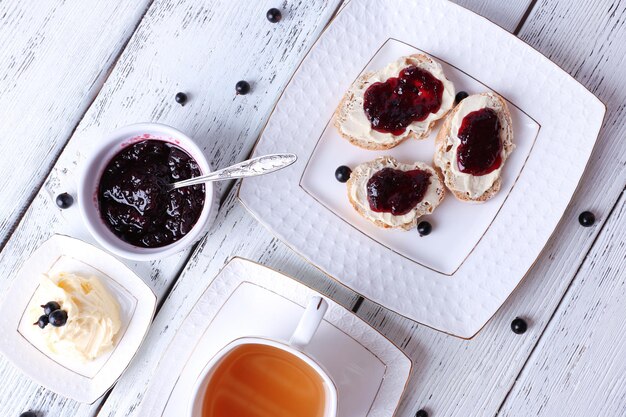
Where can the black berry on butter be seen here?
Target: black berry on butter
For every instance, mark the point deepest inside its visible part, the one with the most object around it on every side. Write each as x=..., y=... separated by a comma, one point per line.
x=49, y=307
x=42, y=321
x=58, y=318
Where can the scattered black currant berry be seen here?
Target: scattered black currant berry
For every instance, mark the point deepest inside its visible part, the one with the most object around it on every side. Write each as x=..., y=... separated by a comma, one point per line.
x=274, y=15
x=586, y=219
x=460, y=96
x=58, y=318
x=342, y=173
x=41, y=322
x=519, y=326
x=64, y=200
x=49, y=307
x=242, y=87
x=421, y=413
x=424, y=228
x=181, y=98
x=28, y=414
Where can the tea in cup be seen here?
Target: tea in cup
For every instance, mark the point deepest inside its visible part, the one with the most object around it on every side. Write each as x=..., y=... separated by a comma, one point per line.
x=257, y=377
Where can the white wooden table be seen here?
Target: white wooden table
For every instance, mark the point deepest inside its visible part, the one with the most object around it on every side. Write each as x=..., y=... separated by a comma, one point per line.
x=73, y=70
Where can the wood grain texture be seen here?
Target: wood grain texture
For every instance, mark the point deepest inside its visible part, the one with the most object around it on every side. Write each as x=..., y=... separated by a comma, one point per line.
x=578, y=367
x=452, y=377
x=506, y=14
x=202, y=48
x=54, y=61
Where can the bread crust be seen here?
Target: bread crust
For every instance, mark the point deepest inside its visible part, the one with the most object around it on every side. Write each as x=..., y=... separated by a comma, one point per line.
x=440, y=143
x=342, y=113
x=389, y=161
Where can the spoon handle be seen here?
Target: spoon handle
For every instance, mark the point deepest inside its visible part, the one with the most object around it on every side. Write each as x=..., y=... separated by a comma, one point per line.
x=249, y=168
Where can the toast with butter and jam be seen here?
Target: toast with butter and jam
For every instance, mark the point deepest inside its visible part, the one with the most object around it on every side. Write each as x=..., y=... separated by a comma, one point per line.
x=473, y=145
x=392, y=194
x=403, y=100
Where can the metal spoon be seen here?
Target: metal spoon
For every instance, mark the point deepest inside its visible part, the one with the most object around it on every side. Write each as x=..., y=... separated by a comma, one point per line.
x=250, y=168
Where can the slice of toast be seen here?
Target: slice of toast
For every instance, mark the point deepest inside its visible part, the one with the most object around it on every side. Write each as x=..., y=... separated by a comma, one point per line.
x=352, y=122
x=357, y=193
x=467, y=187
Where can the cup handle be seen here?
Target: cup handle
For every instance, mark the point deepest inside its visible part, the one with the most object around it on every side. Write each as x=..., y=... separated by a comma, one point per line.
x=309, y=322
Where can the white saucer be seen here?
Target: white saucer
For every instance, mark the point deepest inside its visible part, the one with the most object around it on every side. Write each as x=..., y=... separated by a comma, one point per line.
x=247, y=299
x=83, y=382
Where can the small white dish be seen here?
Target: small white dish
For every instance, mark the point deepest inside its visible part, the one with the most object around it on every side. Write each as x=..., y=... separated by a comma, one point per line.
x=97, y=161
x=455, y=279
x=249, y=300
x=88, y=381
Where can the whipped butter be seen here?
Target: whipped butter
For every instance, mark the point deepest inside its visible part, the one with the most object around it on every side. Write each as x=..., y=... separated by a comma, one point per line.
x=356, y=123
x=93, y=316
x=358, y=191
x=471, y=185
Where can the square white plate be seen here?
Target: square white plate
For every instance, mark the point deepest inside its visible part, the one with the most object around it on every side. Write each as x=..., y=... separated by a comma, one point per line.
x=453, y=218
x=247, y=299
x=455, y=279
x=83, y=382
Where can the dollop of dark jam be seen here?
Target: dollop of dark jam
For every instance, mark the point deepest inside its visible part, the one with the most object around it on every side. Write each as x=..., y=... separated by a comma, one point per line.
x=134, y=203
x=480, y=150
x=392, y=105
x=397, y=192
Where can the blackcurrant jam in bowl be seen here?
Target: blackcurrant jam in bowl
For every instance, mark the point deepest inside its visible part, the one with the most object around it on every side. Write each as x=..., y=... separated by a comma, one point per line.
x=123, y=198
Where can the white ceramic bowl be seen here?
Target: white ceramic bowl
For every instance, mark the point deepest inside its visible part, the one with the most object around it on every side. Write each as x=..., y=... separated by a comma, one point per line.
x=94, y=167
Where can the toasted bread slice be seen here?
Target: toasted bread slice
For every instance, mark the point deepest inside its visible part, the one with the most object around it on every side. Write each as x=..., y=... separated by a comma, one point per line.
x=467, y=187
x=352, y=122
x=357, y=193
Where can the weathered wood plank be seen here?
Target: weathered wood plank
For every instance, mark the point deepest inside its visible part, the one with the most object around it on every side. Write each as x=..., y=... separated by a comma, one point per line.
x=506, y=14
x=578, y=367
x=452, y=376
x=54, y=61
x=202, y=48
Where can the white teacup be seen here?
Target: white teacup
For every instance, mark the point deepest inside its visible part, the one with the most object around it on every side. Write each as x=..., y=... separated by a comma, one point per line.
x=304, y=332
